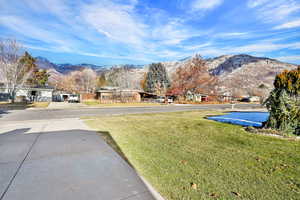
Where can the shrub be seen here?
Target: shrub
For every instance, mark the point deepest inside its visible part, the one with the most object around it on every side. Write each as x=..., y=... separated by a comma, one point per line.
x=284, y=103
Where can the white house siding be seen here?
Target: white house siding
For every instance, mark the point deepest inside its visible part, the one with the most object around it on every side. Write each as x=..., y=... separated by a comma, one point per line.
x=47, y=94
x=22, y=92
x=42, y=94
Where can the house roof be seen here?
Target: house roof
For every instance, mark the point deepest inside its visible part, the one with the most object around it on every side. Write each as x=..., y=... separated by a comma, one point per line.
x=33, y=88
x=119, y=90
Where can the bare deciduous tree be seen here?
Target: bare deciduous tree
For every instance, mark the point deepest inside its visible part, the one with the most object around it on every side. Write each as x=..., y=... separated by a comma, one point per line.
x=77, y=81
x=89, y=78
x=13, y=72
x=194, y=76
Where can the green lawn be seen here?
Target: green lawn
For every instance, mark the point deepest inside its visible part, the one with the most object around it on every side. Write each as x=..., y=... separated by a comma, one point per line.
x=185, y=156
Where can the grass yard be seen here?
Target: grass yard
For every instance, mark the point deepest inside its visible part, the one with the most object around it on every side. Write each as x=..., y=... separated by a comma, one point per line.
x=185, y=156
x=97, y=103
x=39, y=104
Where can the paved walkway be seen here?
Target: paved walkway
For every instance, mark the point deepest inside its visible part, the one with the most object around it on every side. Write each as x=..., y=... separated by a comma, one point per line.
x=63, y=160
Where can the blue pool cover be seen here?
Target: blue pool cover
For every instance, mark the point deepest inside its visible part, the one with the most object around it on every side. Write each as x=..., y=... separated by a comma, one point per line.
x=254, y=119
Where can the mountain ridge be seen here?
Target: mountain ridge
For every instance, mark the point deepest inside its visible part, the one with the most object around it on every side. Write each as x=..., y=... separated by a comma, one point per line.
x=222, y=61
x=241, y=71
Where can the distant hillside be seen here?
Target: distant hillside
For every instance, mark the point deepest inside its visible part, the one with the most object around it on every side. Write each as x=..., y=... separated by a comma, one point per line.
x=44, y=63
x=244, y=72
x=239, y=71
x=66, y=68
x=227, y=64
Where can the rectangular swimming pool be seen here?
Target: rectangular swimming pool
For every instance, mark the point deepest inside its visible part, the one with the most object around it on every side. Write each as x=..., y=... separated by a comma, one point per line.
x=254, y=119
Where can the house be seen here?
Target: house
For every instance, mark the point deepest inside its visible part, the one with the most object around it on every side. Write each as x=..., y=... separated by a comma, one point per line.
x=38, y=94
x=196, y=97
x=116, y=95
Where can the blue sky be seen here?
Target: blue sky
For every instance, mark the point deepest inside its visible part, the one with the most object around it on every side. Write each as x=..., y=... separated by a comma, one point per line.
x=109, y=32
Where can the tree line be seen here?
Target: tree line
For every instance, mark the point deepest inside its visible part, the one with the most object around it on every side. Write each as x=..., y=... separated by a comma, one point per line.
x=18, y=68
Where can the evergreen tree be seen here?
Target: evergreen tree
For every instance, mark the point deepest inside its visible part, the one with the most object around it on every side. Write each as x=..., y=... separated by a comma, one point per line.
x=101, y=81
x=38, y=76
x=29, y=66
x=284, y=103
x=28, y=61
x=157, y=80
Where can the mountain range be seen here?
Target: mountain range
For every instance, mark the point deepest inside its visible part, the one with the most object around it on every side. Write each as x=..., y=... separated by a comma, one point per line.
x=234, y=71
x=44, y=63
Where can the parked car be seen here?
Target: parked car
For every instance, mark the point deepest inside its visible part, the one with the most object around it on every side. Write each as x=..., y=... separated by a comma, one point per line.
x=170, y=100
x=245, y=100
x=74, y=98
x=164, y=100
x=160, y=100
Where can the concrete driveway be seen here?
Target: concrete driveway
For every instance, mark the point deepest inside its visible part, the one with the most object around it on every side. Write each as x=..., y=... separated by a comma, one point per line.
x=65, y=105
x=63, y=160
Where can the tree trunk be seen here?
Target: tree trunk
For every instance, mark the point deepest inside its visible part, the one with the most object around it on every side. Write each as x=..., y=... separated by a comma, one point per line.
x=12, y=96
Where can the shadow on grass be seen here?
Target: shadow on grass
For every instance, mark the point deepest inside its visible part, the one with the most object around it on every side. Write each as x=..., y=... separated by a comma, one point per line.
x=112, y=143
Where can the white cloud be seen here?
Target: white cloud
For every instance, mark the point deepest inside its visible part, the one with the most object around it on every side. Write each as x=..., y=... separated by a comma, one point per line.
x=258, y=48
x=120, y=23
x=28, y=29
x=172, y=33
x=118, y=29
x=115, y=21
x=205, y=4
x=275, y=10
x=291, y=58
x=287, y=25
x=265, y=47
x=232, y=35
x=195, y=47
x=251, y=48
x=106, y=25
x=254, y=3
x=29, y=46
